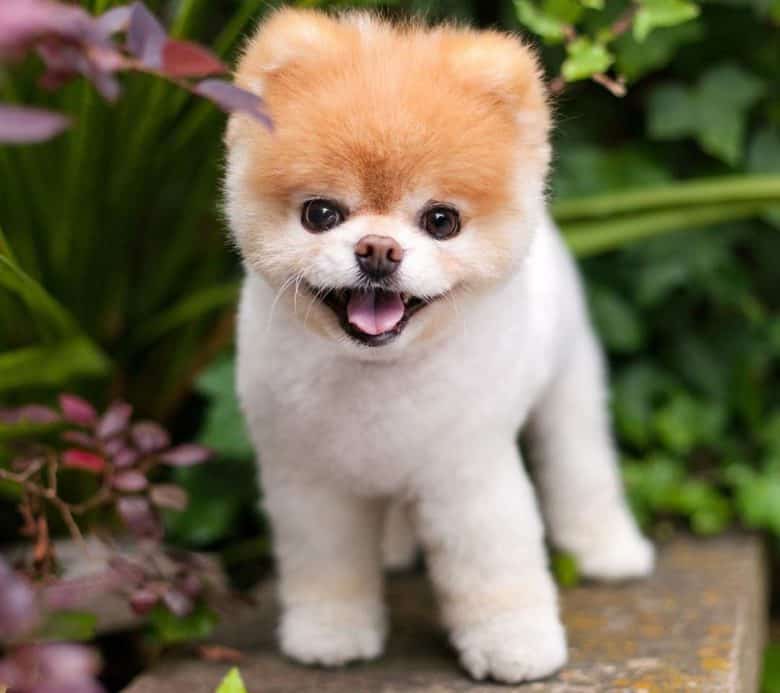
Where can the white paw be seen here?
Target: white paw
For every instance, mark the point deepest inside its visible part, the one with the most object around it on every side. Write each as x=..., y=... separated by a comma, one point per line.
x=520, y=646
x=617, y=556
x=332, y=634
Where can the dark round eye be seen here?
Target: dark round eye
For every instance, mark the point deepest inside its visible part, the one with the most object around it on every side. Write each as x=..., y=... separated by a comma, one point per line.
x=441, y=221
x=321, y=215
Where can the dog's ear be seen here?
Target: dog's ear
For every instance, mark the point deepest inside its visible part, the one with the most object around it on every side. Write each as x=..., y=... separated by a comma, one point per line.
x=499, y=65
x=285, y=38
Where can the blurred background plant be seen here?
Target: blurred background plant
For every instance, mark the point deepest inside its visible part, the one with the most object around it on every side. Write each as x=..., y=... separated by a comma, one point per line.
x=116, y=279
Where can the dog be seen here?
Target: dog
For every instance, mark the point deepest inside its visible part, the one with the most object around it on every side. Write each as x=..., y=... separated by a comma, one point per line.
x=408, y=308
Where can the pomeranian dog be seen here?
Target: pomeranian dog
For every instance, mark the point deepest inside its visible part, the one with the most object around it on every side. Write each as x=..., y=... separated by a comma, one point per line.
x=408, y=308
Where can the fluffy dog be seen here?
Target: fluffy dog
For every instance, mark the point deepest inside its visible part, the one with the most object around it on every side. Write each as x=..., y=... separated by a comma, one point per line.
x=408, y=308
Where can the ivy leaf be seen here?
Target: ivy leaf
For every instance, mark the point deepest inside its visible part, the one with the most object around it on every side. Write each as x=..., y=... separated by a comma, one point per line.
x=548, y=27
x=660, y=13
x=170, y=629
x=714, y=111
x=585, y=59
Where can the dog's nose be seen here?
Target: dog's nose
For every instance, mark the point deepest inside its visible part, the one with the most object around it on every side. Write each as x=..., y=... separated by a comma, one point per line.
x=378, y=256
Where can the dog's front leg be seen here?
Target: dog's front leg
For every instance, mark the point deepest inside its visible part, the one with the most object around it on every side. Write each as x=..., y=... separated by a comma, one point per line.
x=327, y=545
x=482, y=533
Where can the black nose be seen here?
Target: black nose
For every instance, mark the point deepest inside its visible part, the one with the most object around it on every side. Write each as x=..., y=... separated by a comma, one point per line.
x=378, y=256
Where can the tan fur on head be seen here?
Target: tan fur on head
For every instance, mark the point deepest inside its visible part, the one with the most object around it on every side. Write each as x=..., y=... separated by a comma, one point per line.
x=384, y=117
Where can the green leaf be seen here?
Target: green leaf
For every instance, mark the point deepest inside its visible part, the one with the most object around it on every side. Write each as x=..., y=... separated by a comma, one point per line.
x=232, y=683
x=546, y=26
x=69, y=625
x=685, y=423
x=224, y=430
x=52, y=320
x=52, y=365
x=616, y=319
x=758, y=500
x=169, y=629
x=634, y=59
x=764, y=157
x=714, y=111
x=662, y=13
x=584, y=59
x=565, y=569
x=636, y=392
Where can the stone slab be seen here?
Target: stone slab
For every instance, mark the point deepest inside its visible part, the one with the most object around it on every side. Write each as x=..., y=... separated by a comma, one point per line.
x=697, y=625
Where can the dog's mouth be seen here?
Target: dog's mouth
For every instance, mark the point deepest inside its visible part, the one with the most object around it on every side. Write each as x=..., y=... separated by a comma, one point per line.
x=373, y=317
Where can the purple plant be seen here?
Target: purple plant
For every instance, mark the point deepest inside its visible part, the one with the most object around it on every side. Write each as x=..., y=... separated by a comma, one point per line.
x=73, y=43
x=122, y=455
x=119, y=453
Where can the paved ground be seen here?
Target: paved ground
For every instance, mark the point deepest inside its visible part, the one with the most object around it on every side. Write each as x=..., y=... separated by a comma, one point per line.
x=697, y=625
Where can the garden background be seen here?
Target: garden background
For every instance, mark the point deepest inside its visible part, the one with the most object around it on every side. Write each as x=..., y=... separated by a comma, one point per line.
x=117, y=280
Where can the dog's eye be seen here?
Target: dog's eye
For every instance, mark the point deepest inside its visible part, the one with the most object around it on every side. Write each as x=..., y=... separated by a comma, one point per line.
x=321, y=215
x=441, y=222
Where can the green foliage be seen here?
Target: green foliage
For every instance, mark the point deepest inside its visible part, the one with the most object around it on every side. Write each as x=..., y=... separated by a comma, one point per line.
x=232, y=683
x=167, y=629
x=69, y=625
x=714, y=111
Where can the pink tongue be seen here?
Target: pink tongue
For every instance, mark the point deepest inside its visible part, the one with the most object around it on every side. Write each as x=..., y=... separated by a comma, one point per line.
x=375, y=312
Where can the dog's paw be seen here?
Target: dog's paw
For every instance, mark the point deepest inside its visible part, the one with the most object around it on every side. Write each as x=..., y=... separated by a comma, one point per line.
x=520, y=646
x=332, y=634
x=620, y=555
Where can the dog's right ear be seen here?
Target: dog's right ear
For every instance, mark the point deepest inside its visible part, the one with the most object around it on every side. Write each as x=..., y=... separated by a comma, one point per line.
x=285, y=38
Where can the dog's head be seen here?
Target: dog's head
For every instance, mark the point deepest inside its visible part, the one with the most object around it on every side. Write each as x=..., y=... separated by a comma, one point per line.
x=406, y=167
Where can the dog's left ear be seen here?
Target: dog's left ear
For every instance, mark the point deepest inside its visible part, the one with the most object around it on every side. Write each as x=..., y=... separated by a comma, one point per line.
x=504, y=68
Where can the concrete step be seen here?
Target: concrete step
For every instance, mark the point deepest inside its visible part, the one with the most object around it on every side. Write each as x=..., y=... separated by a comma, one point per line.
x=698, y=625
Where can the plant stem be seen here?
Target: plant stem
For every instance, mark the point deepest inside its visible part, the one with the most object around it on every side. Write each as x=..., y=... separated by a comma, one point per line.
x=764, y=188
x=590, y=238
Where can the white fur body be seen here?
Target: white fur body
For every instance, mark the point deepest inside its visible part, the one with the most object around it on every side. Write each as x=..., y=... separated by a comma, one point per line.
x=342, y=433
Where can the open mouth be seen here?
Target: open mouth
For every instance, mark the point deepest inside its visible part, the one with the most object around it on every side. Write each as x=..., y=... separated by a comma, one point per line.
x=373, y=317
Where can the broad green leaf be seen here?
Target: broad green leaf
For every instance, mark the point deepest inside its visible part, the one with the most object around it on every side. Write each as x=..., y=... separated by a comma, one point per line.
x=566, y=11
x=714, y=111
x=169, y=629
x=232, y=683
x=758, y=500
x=51, y=365
x=616, y=320
x=546, y=26
x=685, y=423
x=662, y=13
x=634, y=59
x=224, y=430
x=584, y=59
x=636, y=392
x=671, y=113
x=69, y=625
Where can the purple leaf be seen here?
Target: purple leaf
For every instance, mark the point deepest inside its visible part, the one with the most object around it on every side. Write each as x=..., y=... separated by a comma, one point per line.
x=124, y=458
x=145, y=36
x=83, y=440
x=65, y=663
x=77, y=410
x=114, y=446
x=84, y=460
x=187, y=59
x=178, y=603
x=169, y=496
x=142, y=601
x=231, y=98
x=149, y=436
x=30, y=413
x=114, y=421
x=139, y=517
x=114, y=21
x=130, y=481
x=23, y=22
x=185, y=455
x=18, y=607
